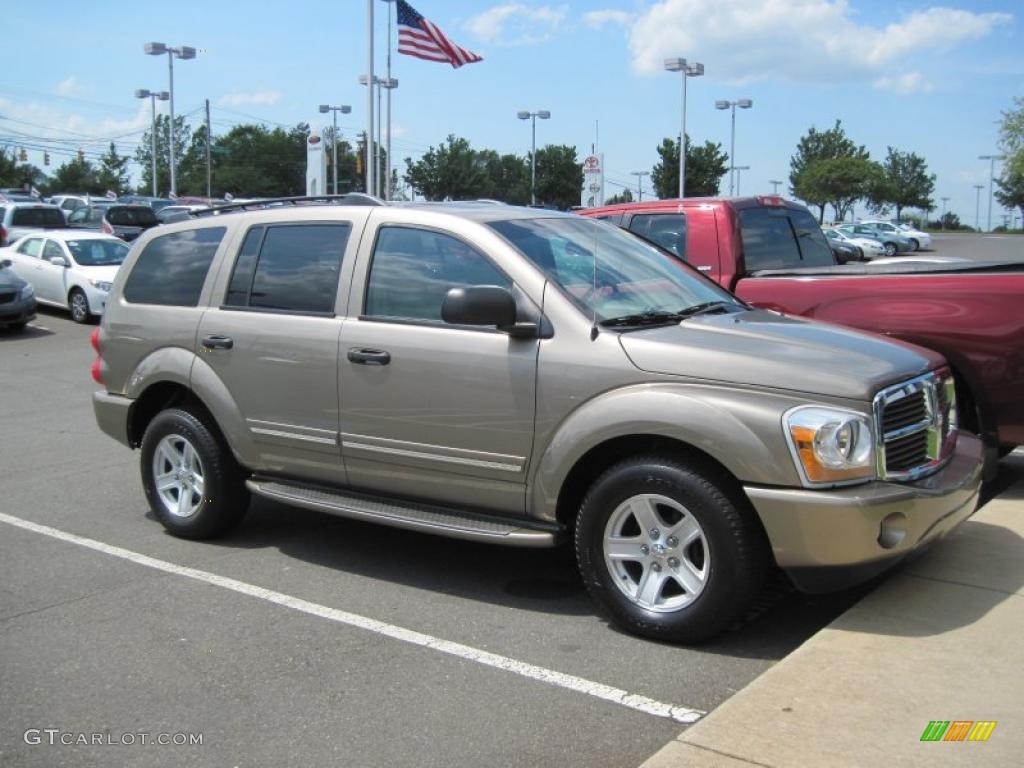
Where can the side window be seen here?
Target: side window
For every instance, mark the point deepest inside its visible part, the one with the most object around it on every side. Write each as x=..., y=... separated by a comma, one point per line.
x=294, y=268
x=51, y=249
x=172, y=268
x=413, y=270
x=31, y=247
x=768, y=239
x=78, y=215
x=665, y=229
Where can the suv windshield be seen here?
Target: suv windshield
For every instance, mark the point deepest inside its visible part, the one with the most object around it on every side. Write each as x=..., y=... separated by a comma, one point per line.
x=782, y=238
x=608, y=273
x=97, y=253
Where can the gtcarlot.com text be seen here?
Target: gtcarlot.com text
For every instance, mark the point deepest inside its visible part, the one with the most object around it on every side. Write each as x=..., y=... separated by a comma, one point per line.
x=57, y=736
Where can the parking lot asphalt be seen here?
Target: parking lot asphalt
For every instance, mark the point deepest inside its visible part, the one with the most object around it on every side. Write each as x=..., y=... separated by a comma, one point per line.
x=305, y=639
x=983, y=247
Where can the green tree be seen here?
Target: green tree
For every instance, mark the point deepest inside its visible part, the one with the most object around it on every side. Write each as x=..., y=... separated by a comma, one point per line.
x=904, y=183
x=112, y=173
x=705, y=166
x=559, y=176
x=77, y=175
x=1011, y=142
x=625, y=196
x=144, y=154
x=452, y=171
x=14, y=173
x=813, y=147
x=840, y=182
x=1010, y=192
x=255, y=161
x=508, y=177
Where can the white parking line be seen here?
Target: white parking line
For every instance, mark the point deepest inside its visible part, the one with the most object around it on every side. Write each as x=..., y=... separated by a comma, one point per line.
x=569, y=682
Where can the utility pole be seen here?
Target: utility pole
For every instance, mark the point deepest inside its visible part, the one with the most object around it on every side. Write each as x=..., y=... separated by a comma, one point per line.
x=775, y=186
x=991, y=181
x=942, y=218
x=209, y=172
x=977, y=206
x=639, y=182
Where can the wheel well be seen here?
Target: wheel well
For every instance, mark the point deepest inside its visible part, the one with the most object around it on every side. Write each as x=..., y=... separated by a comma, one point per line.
x=599, y=458
x=159, y=397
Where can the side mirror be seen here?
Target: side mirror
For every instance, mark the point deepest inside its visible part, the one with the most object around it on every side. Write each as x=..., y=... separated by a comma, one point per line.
x=479, y=305
x=59, y=261
x=5, y=264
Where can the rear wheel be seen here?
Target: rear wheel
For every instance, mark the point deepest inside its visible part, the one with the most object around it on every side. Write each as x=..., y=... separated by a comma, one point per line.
x=192, y=482
x=914, y=245
x=667, y=550
x=890, y=249
x=78, y=303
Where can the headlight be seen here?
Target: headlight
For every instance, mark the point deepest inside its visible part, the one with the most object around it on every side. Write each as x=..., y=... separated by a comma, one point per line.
x=830, y=445
x=27, y=292
x=101, y=285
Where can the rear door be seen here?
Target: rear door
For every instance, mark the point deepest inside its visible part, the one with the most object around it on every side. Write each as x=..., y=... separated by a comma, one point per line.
x=271, y=337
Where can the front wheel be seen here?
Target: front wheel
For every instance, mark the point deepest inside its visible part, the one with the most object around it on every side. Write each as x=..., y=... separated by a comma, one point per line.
x=890, y=249
x=914, y=245
x=668, y=549
x=78, y=303
x=192, y=482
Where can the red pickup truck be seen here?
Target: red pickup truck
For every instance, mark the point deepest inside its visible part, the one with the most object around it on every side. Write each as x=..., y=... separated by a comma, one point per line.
x=771, y=253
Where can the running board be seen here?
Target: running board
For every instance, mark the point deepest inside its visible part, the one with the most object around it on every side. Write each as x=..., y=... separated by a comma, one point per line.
x=415, y=517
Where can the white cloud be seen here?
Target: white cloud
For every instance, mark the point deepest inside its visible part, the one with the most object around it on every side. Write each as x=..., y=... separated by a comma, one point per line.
x=804, y=40
x=254, y=98
x=517, y=24
x=597, y=19
x=69, y=86
x=909, y=82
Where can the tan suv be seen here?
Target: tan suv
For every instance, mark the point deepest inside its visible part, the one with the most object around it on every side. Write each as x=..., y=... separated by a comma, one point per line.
x=524, y=377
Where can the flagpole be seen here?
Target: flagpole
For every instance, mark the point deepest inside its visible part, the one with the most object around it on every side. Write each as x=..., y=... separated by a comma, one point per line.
x=387, y=178
x=370, y=186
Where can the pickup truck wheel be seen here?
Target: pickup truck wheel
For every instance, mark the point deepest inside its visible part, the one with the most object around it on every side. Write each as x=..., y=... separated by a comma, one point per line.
x=890, y=249
x=192, y=482
x=663, y=548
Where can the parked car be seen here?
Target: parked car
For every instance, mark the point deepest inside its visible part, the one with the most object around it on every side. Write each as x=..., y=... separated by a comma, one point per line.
x=156, y=203
x=171, y=213
x=872, y=249
x=918, y=239
x=770, y=252
x=69, y=203
x=892, y=242
x=18, y=219
x=124, y=221
x=17, y=299
x=15, y=195
x=68, y=269
x=845, y=252
x=524, y=376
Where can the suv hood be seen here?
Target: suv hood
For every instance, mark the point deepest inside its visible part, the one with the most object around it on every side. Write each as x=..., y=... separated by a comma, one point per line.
x=761, y=348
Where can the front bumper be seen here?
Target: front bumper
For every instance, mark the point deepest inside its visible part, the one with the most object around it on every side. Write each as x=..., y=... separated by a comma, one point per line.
x=17, y=312
x=845, y=535
x=112, y=413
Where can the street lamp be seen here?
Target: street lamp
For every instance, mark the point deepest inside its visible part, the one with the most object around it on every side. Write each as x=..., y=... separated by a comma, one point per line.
x=639, y=182
x=689, y=70
x=977, y=205
x=388, y=83
x=942, y=218
x=739, y=168
x=726, y=104
x=543, y=114
x=991, y=180
x=142, y=93
x=775, y=186
x=182, y=52
x=344, y=109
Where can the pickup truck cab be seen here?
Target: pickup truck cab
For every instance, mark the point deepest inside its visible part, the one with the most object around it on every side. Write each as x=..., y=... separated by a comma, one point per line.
x=523, y=377
x=771, y=253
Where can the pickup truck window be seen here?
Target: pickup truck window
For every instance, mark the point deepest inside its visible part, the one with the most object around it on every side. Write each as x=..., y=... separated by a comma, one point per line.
x=172, y=268
x=294, y=268
x=413, y=270
x=607, y=272
x=665, y=229
x=780, y=238
x=44, y=218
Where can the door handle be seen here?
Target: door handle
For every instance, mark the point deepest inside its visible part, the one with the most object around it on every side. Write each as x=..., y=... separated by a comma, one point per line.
x=369, y=356
x=217, y=342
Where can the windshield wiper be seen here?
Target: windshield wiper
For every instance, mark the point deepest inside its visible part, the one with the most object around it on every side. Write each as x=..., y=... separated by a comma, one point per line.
x=649, y=317
x=707, y=308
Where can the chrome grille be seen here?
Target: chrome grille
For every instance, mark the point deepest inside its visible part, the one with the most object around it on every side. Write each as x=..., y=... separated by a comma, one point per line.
x=917, y=426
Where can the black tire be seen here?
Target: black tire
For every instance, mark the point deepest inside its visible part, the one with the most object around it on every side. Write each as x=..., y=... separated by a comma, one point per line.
x=16, y=327
x=224, y=499
x=890, y=249
x=914, y=245
x=736, y=547
x=78, y=303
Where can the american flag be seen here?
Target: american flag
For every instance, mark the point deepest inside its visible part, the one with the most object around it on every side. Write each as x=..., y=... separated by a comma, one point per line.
x=425, y=40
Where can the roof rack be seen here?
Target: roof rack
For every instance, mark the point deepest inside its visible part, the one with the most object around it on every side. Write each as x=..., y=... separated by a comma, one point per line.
x=352, y=198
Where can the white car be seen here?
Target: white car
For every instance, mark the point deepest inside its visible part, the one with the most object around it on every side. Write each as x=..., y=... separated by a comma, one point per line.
x=921, y=240
x=70, y=269
x=872, y=248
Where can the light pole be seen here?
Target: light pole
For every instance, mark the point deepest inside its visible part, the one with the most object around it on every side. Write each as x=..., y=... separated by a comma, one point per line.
x=991, y=180
x=639, y=183
x=390, y=83
x=182, y=52
x=726, y=104
x=977, y=205
x=739, y=168
x=543, y=114
x=942, y=218
x=688, y=70
x=344, y=109
x=775, y=186
x=142, y=93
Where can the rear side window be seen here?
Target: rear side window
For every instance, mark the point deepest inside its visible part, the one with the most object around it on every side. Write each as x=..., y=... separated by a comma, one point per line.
x=45, y=218
x=290, y=268
x=172, y=268
x=31, y=247
x=779, y=238
x=665, y=229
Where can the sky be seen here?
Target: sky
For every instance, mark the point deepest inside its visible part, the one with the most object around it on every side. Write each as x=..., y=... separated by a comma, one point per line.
x=928, y=76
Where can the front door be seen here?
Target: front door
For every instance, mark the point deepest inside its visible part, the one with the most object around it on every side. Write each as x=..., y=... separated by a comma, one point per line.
x=50, y=277
x=273, y=342
x=430, y=410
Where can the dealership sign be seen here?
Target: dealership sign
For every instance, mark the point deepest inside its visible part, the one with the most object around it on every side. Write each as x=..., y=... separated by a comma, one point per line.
x=593, y=181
